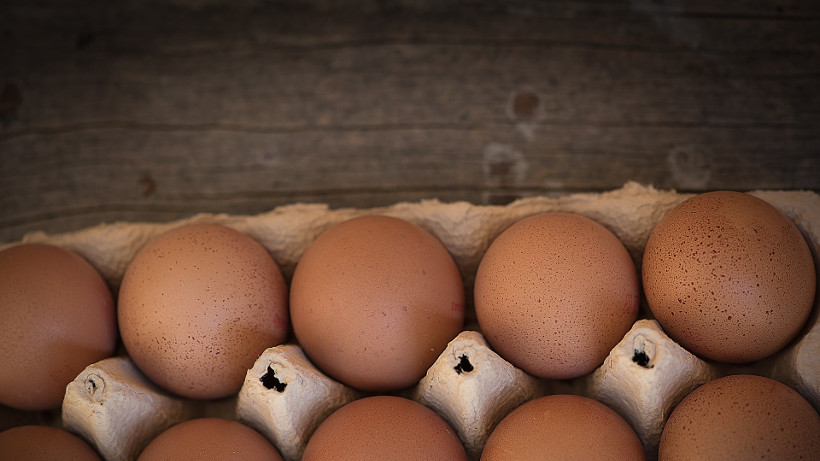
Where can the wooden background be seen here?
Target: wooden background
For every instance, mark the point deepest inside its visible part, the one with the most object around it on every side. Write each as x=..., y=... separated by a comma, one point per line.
x=155, y=110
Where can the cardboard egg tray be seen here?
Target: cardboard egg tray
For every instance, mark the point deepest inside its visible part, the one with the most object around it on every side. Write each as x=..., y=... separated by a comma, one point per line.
x=116, y=409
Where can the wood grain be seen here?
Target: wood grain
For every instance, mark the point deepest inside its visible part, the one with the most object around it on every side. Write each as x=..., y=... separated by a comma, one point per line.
x=156, y=110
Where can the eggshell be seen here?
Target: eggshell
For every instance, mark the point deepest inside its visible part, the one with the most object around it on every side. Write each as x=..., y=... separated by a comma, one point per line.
x=44, y=443
x=210, y=439
x=57, y=317
x=563, y=427
x=741, y=417
x=729, y=277
x=198, y=305
x=384, y=427
x=554, y=293
x=374, y=301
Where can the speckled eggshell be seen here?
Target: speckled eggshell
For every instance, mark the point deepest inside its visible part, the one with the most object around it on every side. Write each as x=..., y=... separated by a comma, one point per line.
x=44, y=443
x=56, y=317
x=384, y=427
x=729, y=277
x=741, y=417
x=198, y=305
x=563, y=427
x=210, y=439
x=374, y=301
x=554, y=293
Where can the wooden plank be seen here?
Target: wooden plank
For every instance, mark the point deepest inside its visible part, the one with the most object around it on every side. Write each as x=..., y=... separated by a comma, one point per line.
x=157, y=110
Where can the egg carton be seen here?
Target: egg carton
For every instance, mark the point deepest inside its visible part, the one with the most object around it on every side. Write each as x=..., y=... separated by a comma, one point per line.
x=285, y=397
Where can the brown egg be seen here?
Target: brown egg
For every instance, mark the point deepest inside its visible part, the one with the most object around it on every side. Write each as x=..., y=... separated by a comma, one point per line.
x=210, y=439
x=742, y=417
x=563, y=427
x=384, y=428
x=57, y=318
x=729, y=277
x=44, y=443
x=554, y=293
x=374, y=301
x=197, y=307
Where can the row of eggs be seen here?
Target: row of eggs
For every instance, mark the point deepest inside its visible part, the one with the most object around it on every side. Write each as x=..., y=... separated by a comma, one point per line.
x=374, y=300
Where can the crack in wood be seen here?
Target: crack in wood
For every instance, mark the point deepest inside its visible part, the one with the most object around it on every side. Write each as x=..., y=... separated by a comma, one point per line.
x=465, y=42
x=56, y=130
x=192, y=201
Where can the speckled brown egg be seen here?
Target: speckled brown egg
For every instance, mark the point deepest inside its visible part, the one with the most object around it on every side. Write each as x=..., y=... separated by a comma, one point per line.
x=44, y=443
x=742, y=417
x=210, y=439
x=375, y=300
x=554, y=293
x=384, y=427
x=197, y=307
x=728, y=276
x=56, y=317
x=563, y=427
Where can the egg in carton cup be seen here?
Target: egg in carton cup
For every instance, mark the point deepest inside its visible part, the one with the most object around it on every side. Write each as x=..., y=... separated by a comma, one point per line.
x=285, y=397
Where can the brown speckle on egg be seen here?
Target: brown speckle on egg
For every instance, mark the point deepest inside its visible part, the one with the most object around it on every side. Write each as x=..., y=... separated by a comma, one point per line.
x=729, y=277
x=44, y=443
x=554, y=293
x=57, y=318
x=741, y=417
x=207, y=439
x=198, y=305
x=384, y=427
x=563, y=427
x=375, y=300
